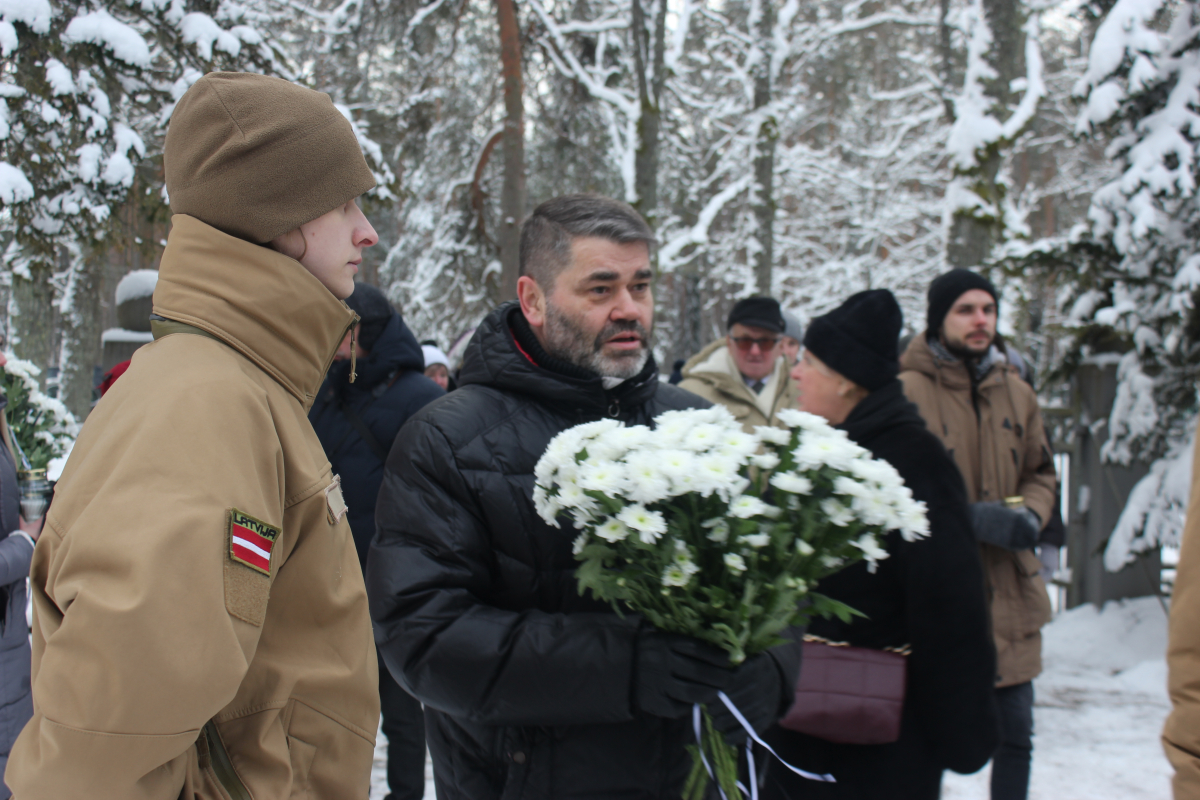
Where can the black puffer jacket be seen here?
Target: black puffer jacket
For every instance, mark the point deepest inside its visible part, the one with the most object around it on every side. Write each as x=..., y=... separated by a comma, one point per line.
x=389, y=388
x=928, y=593
x=527, y=685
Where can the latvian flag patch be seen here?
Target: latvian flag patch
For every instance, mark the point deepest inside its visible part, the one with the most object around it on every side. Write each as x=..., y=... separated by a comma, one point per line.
x=251, y=541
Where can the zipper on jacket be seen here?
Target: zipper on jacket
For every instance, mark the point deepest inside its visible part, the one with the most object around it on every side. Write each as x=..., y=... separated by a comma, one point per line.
x=353, y=354
x=222, y=766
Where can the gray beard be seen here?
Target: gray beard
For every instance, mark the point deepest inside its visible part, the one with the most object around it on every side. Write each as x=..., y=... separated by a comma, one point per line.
x=566, y=340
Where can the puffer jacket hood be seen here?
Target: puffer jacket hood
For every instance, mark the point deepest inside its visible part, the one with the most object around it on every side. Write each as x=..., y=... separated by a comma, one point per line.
x=200, y=622
x=495, y=358
x=396, y=350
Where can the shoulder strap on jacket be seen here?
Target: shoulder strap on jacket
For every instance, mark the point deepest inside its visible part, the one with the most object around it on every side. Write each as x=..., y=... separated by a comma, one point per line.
x=363, y=431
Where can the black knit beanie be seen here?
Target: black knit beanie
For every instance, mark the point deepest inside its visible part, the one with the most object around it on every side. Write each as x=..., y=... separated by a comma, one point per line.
x=373, y=309
x=859, y=338
x=947, y=288
x=757, y=312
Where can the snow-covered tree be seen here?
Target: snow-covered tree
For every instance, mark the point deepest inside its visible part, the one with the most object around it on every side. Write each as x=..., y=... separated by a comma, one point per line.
x=1136, y=293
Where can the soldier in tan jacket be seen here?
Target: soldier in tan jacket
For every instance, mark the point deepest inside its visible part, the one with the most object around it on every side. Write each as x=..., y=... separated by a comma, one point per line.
x=200, y=621
x=746, y=370
x=1181, y=734
x=988, y=419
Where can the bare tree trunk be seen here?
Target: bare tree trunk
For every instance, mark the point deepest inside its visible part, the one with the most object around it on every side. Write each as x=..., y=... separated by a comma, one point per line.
x=512, y=195
x=80, y=350
x=31, y=317
x=650, y=87
x=762, y=193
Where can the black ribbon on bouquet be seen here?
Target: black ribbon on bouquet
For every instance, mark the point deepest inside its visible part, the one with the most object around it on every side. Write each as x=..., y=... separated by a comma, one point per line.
x=753, y=737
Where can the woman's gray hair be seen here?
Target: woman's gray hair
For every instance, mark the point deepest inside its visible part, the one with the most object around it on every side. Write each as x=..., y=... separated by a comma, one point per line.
x=547, y=235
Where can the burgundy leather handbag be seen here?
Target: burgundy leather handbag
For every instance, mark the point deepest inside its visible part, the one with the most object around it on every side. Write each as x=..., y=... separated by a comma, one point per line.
x=848, y=695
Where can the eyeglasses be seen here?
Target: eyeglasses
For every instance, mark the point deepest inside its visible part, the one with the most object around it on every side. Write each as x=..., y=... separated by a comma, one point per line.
x=747, y=343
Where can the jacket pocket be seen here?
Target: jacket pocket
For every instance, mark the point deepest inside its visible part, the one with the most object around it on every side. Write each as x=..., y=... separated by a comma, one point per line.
x=330, y=758
x=302, y=754
x=246, y=593
x=1033, y=602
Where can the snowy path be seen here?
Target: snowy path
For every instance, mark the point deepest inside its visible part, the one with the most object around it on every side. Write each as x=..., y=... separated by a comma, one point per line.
x=1100, y=707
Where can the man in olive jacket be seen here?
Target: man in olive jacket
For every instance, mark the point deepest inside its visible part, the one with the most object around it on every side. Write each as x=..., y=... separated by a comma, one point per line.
x=746, y=371
x=530, y=689
x=988, y=419
x=200, y=624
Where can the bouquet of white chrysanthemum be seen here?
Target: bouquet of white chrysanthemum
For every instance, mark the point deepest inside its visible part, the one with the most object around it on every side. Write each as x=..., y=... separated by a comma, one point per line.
x=711, y=532
x=41, y=427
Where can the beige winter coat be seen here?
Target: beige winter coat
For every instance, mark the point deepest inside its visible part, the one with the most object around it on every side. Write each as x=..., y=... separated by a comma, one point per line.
x=1002, y=452
x=152, y=616
x=1181, y=734
x=713, y=374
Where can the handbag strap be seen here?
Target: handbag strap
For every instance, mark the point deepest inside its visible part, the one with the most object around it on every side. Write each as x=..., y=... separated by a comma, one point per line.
x=900, y=650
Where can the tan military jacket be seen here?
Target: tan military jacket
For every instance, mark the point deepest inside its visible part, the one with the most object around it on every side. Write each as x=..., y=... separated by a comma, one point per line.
x=1001, y=453
x=193, y=565
x=713, y=375
x=1181, y=734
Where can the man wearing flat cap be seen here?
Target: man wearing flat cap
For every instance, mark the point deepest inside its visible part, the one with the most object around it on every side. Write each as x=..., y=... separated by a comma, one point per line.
x=746, y=371
x=971, y=397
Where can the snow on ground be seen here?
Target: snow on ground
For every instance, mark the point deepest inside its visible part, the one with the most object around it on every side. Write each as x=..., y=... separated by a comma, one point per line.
x=1099, y=709
x=1100, y=706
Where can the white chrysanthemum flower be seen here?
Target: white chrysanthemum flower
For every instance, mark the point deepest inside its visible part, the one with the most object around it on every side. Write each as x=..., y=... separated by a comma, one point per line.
x=837, y=513
x=718, y=530
x=795, y=418
x=612, y=530
x=914, y=524
x=872, y=509
x=714, y=473
x=649, y=524
x=765, y=460
x=606, y=477
x=736, y=444
x=881, y=473
x=831, y=562
x=849, y=487
x=670, y=428
x=735, y=562
x=791, y=482
x=804, y=548
x=579, y=544
x=871, y=550
x=815, y=452
x=702, y=437
x=594, y=430
x=793, y=582
x=756, y=540
x=772, y=435
x=746, y=506
x=673, y=462
x=675, y=575
x=644, y=481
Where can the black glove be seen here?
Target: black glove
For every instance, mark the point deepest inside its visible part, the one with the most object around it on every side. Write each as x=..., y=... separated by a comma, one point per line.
x=673, y=672
x=1010, y=528
x=763, y=689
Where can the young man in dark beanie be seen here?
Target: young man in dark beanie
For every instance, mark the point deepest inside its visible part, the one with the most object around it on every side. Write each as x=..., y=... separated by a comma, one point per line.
x=746, y=371
x=989, y=421
x=357, y=423
x=200, y=625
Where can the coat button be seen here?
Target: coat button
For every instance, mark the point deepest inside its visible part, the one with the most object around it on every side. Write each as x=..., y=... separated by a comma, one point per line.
x=518, y=757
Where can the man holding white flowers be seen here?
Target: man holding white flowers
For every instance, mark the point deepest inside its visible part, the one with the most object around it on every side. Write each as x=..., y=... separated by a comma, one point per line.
x=532, y=690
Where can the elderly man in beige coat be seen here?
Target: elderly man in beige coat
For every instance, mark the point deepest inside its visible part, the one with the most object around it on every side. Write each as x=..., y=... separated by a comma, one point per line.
x=746, y=370
x=1181, y=734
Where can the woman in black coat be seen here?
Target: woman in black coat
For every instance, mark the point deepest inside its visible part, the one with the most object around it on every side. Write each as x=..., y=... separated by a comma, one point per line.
x=928, y=594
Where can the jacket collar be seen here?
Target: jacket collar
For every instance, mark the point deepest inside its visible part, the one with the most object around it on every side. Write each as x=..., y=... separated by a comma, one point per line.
x=881, y=410
x=261, y=303
x=715, y=364
x=493, y=358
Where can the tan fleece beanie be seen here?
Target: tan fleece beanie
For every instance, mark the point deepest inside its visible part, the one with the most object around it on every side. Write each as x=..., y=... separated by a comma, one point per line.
x=256, y=157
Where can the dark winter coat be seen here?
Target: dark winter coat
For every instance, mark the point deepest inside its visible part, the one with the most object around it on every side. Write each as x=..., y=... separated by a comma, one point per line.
x=390, y=387
x=16, y=701
x=929, y=594
x=527, y=685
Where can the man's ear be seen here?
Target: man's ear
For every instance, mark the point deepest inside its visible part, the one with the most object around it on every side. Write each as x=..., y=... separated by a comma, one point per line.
x=533, y=301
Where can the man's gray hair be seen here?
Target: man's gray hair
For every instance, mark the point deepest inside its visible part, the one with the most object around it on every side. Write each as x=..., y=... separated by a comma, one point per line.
x=547, y=235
